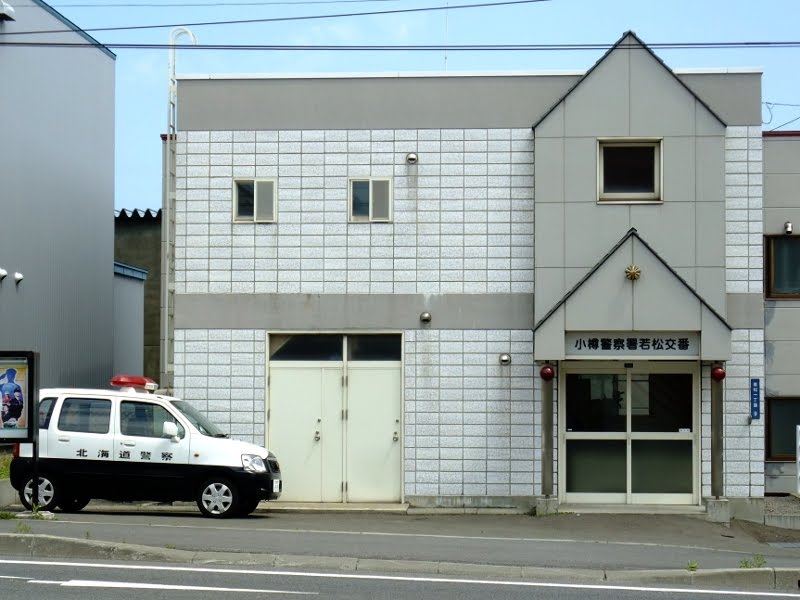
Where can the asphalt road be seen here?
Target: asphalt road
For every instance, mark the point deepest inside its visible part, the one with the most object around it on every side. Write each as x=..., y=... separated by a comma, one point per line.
x=25, y=579
x=589, y=542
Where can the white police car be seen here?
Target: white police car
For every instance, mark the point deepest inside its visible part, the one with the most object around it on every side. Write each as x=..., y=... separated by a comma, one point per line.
x=129, y=444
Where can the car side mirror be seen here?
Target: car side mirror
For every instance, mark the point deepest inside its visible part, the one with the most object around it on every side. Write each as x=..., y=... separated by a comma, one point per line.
x=170, y=431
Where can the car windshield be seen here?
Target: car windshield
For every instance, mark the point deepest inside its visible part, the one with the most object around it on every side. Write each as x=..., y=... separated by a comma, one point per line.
x=199, y=420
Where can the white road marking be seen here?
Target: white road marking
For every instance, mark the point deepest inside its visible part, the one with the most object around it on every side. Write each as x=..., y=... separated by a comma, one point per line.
x=488, y=582
x=86, y=583
x=419, y=535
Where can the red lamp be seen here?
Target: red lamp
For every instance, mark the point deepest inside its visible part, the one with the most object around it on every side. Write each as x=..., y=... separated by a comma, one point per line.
x=547, y=372
x=717, y=373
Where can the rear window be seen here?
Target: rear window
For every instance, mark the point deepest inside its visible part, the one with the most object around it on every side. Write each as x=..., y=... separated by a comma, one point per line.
x=86, y=415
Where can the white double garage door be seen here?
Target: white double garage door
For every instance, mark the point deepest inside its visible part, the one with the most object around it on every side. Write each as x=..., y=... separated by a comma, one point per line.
x=334, y=416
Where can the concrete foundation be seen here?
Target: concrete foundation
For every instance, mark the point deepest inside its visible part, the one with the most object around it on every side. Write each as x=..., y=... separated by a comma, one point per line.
x=546, y=506
x=747, y=509
x=518, y=503
x=718, y=510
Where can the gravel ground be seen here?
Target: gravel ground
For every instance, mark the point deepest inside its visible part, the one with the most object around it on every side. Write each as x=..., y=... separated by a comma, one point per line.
x=782, y=505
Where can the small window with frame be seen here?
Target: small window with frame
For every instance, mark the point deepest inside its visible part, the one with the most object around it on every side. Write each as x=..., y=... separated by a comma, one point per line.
x=629, y=171
x=371, y=200
x=783, y=267
x=255, y=200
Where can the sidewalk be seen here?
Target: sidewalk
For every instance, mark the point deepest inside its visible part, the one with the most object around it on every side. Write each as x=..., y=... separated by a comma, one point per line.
x=589, y=548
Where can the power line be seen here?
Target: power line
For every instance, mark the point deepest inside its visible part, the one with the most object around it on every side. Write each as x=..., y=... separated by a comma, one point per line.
x=285, y=19
x=425, y=47
x=205, y=4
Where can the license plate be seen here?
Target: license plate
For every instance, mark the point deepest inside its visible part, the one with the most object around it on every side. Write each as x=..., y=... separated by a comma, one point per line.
x=276, y=485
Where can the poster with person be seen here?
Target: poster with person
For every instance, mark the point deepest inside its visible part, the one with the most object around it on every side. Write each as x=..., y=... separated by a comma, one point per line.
x=14, y=397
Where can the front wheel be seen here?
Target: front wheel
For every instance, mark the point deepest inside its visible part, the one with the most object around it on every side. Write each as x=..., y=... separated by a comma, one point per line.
x=48, y=493
x=218, y=498
x=248, y=505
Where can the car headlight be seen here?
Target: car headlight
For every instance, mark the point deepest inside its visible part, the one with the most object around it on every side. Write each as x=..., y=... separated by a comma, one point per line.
x=253, y=463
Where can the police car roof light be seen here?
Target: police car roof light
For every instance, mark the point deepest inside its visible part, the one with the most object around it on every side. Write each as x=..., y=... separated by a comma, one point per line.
x=134, y=381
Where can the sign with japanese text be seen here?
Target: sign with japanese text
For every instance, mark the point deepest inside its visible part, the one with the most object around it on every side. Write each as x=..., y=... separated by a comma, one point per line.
x=755, y=398
x=18, y=392
x=633, y=344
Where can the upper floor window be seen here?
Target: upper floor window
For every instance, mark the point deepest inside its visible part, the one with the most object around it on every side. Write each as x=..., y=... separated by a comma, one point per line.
x=783, y=267
x=629, y=171
x=371, y=200
x=255, y=200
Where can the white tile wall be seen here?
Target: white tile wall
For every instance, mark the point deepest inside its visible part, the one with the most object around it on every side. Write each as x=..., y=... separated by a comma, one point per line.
x=470, y=428
x=221, y=372
x=463, y=216
x=744, y=474
x=744, y=246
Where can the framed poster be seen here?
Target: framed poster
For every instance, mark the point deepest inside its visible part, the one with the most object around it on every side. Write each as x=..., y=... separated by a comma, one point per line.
x=18, y=393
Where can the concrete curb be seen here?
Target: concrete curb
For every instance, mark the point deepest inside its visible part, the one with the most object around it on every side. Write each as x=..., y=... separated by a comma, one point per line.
x=48, y=546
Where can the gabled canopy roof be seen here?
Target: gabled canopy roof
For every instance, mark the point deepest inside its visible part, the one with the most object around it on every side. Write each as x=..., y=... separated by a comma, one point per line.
x=632, y=233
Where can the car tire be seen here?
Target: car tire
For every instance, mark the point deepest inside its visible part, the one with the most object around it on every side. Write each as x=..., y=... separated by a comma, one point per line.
x=49, y=494
x=248, y=505
x=72, y=504
x=218, y=498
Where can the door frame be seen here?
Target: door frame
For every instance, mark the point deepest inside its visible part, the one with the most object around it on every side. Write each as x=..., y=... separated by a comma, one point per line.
x=639, y=367
x=345, y=398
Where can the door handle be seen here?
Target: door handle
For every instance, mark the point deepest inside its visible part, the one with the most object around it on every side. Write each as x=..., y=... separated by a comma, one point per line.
x=128, y=443
x=316, y=436
x=394, y=437
x=63, y=438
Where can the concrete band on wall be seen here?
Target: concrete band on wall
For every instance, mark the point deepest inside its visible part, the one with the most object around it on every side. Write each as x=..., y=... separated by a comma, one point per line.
x=342, y=312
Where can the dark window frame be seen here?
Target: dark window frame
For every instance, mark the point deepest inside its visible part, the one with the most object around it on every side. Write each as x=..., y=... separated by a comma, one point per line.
x=655, y=197
x=769, y=269
x=768, y=456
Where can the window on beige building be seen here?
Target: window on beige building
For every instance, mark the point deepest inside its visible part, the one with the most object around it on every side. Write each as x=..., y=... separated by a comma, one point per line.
x=629, y=170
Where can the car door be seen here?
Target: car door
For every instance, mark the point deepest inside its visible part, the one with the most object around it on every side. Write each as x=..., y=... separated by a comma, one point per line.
x=155, y=467
x=80, y=445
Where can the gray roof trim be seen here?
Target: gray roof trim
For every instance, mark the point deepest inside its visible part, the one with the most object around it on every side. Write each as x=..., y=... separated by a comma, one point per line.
x=130, y=271
x=630, y=233
x=74, y=27
x=602, y=58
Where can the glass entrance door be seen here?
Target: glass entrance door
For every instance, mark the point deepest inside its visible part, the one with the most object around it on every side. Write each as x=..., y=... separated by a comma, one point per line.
x=629, y=435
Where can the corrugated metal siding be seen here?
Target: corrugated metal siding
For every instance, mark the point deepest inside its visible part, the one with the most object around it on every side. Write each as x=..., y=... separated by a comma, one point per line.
x=56, y=205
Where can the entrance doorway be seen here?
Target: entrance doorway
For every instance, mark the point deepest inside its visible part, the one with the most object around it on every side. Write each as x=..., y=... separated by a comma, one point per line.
x=629, y=433
x=334, y=416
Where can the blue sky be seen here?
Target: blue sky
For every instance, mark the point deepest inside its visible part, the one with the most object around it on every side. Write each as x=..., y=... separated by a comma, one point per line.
x=141, y=74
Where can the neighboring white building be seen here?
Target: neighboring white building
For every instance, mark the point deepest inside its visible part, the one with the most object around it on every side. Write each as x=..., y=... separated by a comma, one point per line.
x=371, y=272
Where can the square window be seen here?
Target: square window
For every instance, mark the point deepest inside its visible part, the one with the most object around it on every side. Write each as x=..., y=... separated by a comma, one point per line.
x=783, y=415
x=629, y=171
x=783, y=267
x=370, y=200
x=255, y=200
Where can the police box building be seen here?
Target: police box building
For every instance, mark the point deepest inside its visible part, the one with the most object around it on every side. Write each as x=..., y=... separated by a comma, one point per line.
x=478, y=290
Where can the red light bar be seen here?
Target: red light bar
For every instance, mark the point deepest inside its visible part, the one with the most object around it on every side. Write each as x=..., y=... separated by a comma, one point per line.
x=134, y=381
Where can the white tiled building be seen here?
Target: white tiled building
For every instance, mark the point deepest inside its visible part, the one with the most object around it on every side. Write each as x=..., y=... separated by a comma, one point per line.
x=371, y=286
